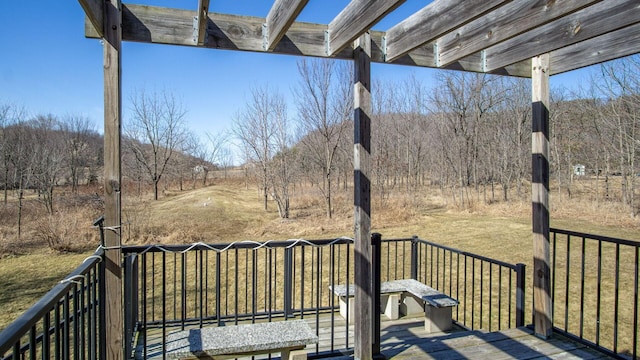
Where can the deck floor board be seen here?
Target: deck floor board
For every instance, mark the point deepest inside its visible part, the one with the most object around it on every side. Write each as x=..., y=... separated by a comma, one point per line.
x=406, y=338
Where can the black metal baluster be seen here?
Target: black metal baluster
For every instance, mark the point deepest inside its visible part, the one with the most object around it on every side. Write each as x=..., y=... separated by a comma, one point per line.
x=616, y=300
x=473, y=292
x=499, y=298
x=566, y=284
x=218, y=289
x=164, y=303
x=582, y=272
x=144, y=304
x=46, y=338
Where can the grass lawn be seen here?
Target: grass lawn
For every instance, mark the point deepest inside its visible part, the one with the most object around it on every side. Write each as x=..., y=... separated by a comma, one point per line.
x=226, y=213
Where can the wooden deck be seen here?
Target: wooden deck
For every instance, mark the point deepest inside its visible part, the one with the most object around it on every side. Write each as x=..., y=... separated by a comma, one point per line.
x=406, y=339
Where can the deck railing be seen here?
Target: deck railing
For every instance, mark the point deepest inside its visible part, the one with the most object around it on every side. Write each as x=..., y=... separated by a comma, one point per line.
x=490, y=292
x=595, y=290
x=175, y=287
x=65, y=323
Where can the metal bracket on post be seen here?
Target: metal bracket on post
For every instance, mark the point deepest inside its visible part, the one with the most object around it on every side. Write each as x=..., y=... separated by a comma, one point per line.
x=99, y=223
x=384, y=48
x=483, y=60
x=196, y=30
x=265, y=37
x=436, y=54
x=327, y=47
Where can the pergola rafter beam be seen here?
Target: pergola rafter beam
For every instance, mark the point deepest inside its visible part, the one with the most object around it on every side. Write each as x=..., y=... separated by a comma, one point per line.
x=433, y=21
x=603, y=48
x=356, y=19
x=282, y=14
x=149, y=24
x=201, y=20
x=593, y=21
x=94, y=10
x=502, y=24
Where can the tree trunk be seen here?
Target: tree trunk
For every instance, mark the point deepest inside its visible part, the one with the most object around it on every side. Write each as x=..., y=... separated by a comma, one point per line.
x=266, y=197
x=155, y=189
x=329, y=212
x=20, y=212
x=6, y=185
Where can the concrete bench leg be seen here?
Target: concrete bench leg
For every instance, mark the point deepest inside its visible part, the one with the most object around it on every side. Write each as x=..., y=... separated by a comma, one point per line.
x=293, y=355
x=437, y=319
x=391, y=306
x=344, y=302
x=410, y=305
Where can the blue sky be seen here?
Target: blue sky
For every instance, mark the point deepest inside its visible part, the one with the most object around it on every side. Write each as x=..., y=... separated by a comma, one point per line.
x=48, y=66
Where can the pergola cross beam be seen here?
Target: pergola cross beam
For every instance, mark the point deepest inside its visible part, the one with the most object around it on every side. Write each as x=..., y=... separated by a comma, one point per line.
x=505, y=22
x=601, y=18
x=94, y=11
x=433, y=21
x=356, y=19
x=282, y=14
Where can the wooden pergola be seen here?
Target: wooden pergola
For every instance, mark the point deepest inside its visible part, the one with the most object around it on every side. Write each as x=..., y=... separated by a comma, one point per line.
x=522, y=38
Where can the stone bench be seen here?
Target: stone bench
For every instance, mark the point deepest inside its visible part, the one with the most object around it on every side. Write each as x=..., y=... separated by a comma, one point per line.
x=406, y=297
x=226, y=342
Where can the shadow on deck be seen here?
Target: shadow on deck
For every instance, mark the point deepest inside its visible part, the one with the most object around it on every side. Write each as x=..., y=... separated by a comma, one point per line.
x=406, y=338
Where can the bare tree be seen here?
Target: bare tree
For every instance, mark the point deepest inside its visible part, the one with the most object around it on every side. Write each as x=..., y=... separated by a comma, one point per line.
x=191, y=158
x=20, y=145
x=461, y=101
x=214, y=147
x=78, y=132
x=10, y=116
x=507, y=148
x=226, y=159
x=282, y=173
x=255, y=126
x=49, y=145
x=619, y=84
x=155, y=131
x=324, y=101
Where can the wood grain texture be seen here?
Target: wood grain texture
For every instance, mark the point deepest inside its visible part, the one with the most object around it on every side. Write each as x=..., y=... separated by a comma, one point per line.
x=507, y=21
x=542, y=306
x=150, y=24
x=614, y=45
x=282, y=14
x=364, y=296
x=355, y=19
x=593, y=32
x=203, y=18
x=94, y=11
x=599, y=19
x=433, y=21
x=113, y=179
x=406, y=338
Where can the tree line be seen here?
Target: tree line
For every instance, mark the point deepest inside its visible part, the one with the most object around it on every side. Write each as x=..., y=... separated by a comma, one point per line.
x=468, y=135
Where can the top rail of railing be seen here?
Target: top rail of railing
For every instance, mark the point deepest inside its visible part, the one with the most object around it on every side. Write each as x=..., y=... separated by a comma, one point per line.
x=21, y=326
x=455, y=251
x=246, y=244
x=596, y=237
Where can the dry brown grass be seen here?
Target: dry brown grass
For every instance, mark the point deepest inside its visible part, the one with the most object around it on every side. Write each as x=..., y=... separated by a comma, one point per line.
x=229, y=211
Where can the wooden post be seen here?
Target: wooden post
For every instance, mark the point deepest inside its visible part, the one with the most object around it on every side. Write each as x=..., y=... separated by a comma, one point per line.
x=363, y=309
x=113, y=309
x=542, y=306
